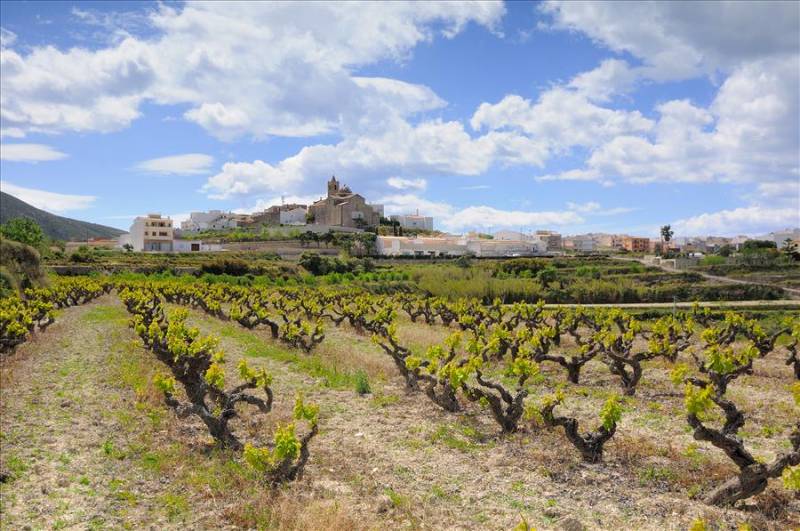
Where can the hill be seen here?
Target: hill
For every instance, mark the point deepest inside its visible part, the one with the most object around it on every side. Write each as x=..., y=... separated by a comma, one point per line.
x=56, y=227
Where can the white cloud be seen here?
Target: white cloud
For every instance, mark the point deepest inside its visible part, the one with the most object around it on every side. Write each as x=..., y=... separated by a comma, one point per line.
x=560, y=119
x=399, y=149
x=187, y=164
x=29, y=153
x=677, y=40
x=455, y=219
x=591, y=206
x=611, y=78
x=243, y=69
x=50, y=201
x=750, y=133
x=405, y=184
x=745, y=220
x=7, y=38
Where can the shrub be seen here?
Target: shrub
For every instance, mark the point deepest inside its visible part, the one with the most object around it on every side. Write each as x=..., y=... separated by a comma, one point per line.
x=362, y=383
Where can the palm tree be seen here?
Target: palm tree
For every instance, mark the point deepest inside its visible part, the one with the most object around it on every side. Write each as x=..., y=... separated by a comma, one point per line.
x=666, y=236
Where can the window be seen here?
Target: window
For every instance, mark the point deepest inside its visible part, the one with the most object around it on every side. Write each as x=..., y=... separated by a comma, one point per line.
x=162, y=233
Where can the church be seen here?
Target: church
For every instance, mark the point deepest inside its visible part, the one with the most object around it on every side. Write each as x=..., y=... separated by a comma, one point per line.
x=344, y=208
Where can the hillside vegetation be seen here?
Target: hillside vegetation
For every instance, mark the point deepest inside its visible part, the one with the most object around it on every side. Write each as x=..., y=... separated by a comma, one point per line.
x=55, y=227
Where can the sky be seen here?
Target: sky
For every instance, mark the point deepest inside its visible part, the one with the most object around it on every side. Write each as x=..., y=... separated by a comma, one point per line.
x=571, y=116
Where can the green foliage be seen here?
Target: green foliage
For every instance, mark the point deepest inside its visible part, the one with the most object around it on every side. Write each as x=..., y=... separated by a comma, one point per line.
x=611, y=413
x=697, y=401
x=791, y=478
x=23, y=230
x=362, y=383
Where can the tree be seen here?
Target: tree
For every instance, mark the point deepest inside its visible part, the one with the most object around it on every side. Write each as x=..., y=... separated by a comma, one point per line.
x=23, y=230
x=128, y=248
x=791, y=250
x=666, y=237
x=726, y=250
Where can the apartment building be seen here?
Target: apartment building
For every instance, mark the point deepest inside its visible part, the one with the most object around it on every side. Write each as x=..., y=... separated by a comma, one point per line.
x=636, y=245
x=153, y=232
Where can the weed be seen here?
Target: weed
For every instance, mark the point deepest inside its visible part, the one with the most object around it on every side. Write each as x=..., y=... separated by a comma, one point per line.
x=362, y=382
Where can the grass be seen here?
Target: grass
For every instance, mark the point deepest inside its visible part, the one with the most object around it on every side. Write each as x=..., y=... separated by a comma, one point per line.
x=328, y=373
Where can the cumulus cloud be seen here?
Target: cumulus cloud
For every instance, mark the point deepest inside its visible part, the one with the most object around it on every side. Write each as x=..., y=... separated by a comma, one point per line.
x=400, y=149
x=678, y=40
x=187, y=164
x=452, y=218
x=745, y=220
x=404, y=184
x=29, y=153
x=590, y=206
x=560, y=119
x=50, y=201
x=211, y=57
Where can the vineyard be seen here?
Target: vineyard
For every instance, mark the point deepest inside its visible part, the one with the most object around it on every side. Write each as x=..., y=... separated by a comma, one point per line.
x=218, y=405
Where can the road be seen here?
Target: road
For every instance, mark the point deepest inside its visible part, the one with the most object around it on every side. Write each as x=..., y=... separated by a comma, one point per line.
x=792, y=292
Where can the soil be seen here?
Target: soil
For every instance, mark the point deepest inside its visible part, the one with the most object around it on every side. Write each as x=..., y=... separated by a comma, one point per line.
x=86, y=443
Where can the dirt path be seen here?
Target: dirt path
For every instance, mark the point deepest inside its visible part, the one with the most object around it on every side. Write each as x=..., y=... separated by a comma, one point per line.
x=66, y=419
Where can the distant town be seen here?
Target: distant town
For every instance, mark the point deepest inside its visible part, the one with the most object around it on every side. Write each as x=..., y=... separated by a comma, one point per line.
x=407, y=235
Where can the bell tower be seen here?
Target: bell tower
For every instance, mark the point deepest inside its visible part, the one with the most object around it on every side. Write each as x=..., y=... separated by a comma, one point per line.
x=333, y=186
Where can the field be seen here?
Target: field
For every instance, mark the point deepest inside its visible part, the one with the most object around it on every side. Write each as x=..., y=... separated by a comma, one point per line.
x=90, y=438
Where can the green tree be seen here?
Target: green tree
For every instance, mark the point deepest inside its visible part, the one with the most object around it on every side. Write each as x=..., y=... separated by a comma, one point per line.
x=23, y=230
x=666, y=237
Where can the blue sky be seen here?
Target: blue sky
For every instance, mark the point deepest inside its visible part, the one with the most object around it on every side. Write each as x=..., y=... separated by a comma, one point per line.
x=604, y=117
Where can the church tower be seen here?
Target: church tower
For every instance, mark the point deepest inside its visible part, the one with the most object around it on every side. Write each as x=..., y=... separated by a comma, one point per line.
x=333, y=186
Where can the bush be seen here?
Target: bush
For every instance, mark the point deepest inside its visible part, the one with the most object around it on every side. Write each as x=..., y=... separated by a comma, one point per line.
x=226, y=266
x=20, y=267
x=362, y=383
x=23, y=230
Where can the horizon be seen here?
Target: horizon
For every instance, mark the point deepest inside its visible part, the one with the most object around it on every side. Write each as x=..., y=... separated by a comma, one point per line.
x=487, y=117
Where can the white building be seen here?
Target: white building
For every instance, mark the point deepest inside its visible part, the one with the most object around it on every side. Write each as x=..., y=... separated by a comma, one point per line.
x=414, y=221
x=505, y=248
x=194, y=246
x=293, y=216
x=150, y=233
x=211, y=220
x=456, y=246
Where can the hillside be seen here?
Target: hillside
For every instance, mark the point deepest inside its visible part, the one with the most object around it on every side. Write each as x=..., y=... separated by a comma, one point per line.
x=56, y=227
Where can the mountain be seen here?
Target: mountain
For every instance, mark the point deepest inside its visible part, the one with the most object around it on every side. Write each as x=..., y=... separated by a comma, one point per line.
x=56, y=227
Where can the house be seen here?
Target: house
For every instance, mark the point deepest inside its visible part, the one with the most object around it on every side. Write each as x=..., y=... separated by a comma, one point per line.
x=505, y=248
x=581, y=244
x=551, y=238
x=344, y=208
x=414, y=221
x=456, y=246
x=636, y=245
x=212, y=220
x=288, y=214
x=419, y=246
x=194, y=246
x=149, y=233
